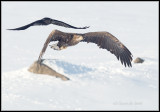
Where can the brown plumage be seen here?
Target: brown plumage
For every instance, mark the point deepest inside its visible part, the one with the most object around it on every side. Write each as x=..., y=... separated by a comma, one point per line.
x=104, y=40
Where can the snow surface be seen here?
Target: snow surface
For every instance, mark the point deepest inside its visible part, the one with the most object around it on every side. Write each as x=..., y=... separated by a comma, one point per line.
x=98, y=80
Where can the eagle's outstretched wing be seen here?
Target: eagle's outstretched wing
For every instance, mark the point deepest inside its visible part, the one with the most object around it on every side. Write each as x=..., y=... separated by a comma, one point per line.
x=107, y=41
x=47, y=21
x=49, y=39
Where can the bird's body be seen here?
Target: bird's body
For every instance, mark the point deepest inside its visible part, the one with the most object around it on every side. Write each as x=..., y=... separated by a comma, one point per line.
x=104, y=40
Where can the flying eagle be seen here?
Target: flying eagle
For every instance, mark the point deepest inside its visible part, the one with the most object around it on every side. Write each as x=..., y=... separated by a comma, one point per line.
x=104, y=40
x=47, y=21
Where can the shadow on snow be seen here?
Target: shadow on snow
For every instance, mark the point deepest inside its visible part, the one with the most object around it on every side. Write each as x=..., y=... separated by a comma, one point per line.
x=70, y=68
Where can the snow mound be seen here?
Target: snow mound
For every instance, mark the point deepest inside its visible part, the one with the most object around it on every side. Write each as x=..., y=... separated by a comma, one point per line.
x=40, y=68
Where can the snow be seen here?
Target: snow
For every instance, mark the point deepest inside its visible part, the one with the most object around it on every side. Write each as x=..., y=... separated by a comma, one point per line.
x=98, y=80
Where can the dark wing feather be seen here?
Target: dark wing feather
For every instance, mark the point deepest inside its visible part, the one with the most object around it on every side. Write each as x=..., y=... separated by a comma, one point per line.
x=38, y=22
x=107, y=41
x=60, y=23
x=47, y=21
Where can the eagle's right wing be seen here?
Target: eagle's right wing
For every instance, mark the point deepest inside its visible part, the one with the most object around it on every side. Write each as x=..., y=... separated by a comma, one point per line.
x=49, y=39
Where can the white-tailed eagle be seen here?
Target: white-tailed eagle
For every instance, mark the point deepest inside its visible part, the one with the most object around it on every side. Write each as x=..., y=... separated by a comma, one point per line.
x=104, y=40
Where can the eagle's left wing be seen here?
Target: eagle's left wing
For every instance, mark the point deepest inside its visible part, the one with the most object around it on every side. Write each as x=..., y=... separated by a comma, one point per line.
x=107, y=41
